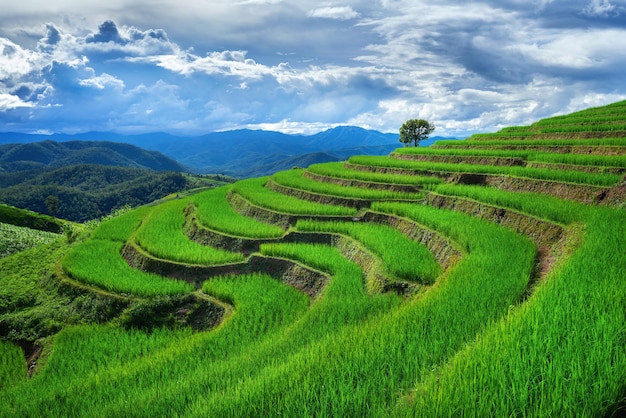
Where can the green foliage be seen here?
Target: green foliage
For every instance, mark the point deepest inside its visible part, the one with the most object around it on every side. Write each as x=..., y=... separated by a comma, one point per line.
x=529, y=155
x=403, y=258
x=161, y=234
x=415, y=130
x=214, y=212
x=489, y=338
x=34, y=303
x=119, y=227
x=601, y=142
x=29, y=219
x=99, y=262
x=254, y=191
x=295, y=179
x=14, y=239
x=12, y=365
x=338, y=170
x=568, y=337
x=516, y=171
x=89, y=192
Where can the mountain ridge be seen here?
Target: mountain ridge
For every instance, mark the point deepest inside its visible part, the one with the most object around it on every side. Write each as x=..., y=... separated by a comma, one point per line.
x=49, y=154
x=234, y=152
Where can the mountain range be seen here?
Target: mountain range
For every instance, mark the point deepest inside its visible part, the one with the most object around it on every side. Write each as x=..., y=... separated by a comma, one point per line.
x=239, y=153
x=50, y=154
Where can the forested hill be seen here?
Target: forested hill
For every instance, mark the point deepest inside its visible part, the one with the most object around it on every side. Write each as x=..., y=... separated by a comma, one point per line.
x=86, y=192
x=51, y=154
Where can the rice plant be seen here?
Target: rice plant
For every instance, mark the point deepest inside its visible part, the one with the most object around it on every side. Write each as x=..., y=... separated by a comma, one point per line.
x=214, y=212
x=254, y=191
x=561, y=353
x=527, y=154
x=161, y=235
x=370, y=363
x=12, y=365
x=403, y=258
x=99, y=262
x=534, y=173
x=338, y=170
x=120, y=228
x=600, y=142
x=294, y=179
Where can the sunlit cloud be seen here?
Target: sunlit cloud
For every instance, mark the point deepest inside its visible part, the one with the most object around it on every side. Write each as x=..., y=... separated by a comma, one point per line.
x=334, y=12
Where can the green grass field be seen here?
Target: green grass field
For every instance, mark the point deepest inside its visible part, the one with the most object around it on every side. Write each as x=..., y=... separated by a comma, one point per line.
x=509, y=326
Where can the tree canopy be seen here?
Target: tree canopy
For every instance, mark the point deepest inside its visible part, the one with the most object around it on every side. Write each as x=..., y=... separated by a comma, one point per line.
x=415, y=130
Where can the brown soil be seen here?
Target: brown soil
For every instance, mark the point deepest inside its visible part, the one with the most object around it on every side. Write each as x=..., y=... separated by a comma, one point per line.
x=545, y=234
x=578, y=192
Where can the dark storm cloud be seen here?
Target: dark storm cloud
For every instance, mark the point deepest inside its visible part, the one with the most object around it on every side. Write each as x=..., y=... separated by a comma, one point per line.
x=107, y=32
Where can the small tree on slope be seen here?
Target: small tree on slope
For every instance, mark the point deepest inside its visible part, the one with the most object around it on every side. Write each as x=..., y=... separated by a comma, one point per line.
x=415, y=130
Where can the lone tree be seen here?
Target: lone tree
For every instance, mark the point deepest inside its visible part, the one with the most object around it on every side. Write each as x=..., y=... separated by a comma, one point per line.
x=415, y=130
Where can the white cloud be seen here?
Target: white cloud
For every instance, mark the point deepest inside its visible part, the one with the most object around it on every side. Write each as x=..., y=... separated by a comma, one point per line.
x=602, y=8
x=102, y=81
x=282, y=65
x=15, y=61
x=334, y=12
x=8, y=102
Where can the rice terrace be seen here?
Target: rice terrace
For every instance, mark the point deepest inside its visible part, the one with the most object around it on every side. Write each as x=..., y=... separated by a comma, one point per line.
x=479, y=277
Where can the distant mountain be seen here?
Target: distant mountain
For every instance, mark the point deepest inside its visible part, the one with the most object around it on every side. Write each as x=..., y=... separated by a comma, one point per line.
x=244, y=153
x=51, y=154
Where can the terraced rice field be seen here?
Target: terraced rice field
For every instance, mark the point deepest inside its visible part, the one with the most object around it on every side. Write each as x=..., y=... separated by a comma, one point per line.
x=460, y=280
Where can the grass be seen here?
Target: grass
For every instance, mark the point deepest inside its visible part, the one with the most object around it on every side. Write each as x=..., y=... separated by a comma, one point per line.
x=214, y=212
x=368, y=364
x=120, y=228
x=478, y=342
x=403, y=258
x=161, y=235
x=99, y=262
x=525, y=172
x=338, y=170
x=601, y=142
x=12, y=365
x=555, y=158
x=541, y=206
x=294, y=179
x=254, y=191
x=561, y=353
x=26, y=218
x=116, y=366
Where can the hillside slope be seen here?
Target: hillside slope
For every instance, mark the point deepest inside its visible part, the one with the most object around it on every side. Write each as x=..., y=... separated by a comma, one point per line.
x=483, y=277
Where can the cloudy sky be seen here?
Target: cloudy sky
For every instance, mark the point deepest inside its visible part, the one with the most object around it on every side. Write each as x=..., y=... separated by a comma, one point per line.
x=301, y=66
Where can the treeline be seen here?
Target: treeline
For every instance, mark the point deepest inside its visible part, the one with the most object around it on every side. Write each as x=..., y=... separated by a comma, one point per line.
x=85, y=192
